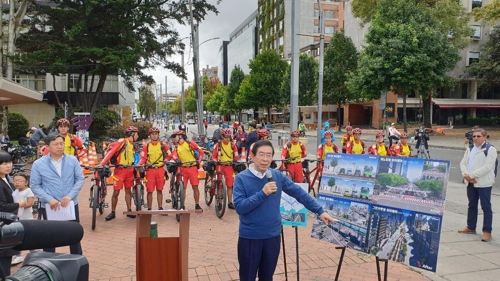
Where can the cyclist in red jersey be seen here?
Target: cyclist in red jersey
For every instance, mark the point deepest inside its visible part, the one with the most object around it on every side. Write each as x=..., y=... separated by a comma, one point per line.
x=72, y=144
x=121, y=154
x=226, y=151
x=379, y=148
x=296, y=150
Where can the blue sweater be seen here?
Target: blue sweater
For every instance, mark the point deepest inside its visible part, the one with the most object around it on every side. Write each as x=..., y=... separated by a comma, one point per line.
x=46, y=184
x=260, y=216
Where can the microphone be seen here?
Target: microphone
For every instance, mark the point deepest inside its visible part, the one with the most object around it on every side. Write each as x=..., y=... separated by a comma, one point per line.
x=34, y=234
x=269, y=177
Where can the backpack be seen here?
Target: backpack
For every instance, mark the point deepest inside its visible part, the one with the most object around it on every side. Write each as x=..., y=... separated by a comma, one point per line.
x=486, y=147
x=216, y=136
x=114, y=159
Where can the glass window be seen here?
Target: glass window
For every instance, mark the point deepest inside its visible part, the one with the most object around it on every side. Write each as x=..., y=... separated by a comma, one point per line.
x=477, y=4
x=329, y=29
x=477, y=32
x=74, y=82
x=473, y=57
x=35, y=82
x=329, y=15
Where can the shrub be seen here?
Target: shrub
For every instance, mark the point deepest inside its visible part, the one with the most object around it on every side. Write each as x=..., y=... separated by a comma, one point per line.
x=18, y=125
x=104, y=120
x=118, y=131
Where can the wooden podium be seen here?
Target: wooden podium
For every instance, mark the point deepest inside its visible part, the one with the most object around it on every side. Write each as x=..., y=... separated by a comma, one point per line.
x=162, y=258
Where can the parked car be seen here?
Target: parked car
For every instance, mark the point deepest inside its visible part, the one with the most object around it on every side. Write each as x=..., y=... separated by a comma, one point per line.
x=191, y=122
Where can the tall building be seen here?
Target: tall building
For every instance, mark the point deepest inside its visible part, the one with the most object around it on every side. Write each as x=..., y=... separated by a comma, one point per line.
x=457, y=104
x=222, y=58
x=243, y=44
x=210, y=72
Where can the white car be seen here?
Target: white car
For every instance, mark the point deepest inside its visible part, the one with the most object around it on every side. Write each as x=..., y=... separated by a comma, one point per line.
x=191, y=122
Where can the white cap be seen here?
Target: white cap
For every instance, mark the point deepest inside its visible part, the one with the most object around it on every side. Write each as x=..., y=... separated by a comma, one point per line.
x=393, y=124
x=33, y=128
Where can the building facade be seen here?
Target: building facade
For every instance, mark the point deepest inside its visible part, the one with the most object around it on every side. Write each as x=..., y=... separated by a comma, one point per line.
x=243, y=45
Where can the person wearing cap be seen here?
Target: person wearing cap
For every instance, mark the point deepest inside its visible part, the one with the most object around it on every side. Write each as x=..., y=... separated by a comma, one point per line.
x=357, y=146
x=346, y=138
x=379, y=148
x=30, y=132
x=326, y=127
x=294, y=150
x=121, y=154
x=153, y=155
x=37, y=135
x=262, y=134
x=327, y=147
x=225, y=152
x=402, y=148
x=393, y=134
x=72, y=143
x=184, y=154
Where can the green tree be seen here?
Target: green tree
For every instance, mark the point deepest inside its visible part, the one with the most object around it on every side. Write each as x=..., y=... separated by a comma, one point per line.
x=266, y=77
x=308, y=81
x=489, y=13
x=245, y=98
x=331, y=182
x=175, y=108
x=190, y=100
x=428, y=166
x=433, y=185
x=334, y=163
x=341, y=58
x=391, y=179
x=147, y=102
x=18, y=125
x=233, y=88
x=404, y=53
x=487, y=69
x=98, y=38
x=104, y=119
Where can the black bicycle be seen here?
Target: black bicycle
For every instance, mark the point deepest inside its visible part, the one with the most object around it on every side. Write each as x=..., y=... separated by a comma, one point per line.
x=98, y=191
x=177, y=194
x=138, y=188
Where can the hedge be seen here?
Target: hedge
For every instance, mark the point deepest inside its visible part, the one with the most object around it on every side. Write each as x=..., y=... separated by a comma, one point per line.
x=119, y=131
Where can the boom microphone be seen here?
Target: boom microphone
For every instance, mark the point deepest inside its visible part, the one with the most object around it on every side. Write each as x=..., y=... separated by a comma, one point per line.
x=35, y=234
x=269, y=177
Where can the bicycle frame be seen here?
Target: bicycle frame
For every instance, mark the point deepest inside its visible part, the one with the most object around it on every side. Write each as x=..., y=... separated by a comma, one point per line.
x=317, y=171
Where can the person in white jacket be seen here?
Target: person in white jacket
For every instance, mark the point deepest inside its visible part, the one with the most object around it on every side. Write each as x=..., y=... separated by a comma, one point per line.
x=478, y=169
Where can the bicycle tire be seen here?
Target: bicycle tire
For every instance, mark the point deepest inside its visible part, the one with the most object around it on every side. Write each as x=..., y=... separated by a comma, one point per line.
x=102, y=195
x=220, y=208
x=179, y=199
x=95, y=202
x=209, y=196
x=137, y=197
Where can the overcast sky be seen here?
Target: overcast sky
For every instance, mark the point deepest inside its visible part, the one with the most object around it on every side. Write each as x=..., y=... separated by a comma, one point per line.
x=231, y=14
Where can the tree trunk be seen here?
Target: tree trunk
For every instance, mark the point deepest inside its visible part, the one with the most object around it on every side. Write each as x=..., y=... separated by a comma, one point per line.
x=405, y=121
x=10, y=40
x=338, y=116
x=255, y=113
x=269, y=115
x=1, y=41
x=55, y=91
x=19, y=17
x=426, y=108
x=97, y=96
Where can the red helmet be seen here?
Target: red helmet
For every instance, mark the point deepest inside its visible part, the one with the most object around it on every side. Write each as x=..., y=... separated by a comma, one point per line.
x=379, y=134
x=328, y=134
x=226, y=132
x=404, y=135
x=178, y=132
x=263, y=133
x=62, y=121
x=357, y=131
x=295, y=133
x=131, y=129
x=153, y=130
x=348, y=128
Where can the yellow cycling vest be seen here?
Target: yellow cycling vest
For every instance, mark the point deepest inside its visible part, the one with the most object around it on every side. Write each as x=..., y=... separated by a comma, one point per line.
x=295, y=150
x=68, y=149
x=185, y=152
x=226, y=152
x=127, y=155
x=405, y=150
x=381, y=151
x=327, y=149
x=155, y=154
x=357, y=148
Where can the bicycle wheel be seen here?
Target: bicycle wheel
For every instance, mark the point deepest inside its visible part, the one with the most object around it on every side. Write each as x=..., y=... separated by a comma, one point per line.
x=221, y=198
x=102, y=195
x=179, y=199
x=137, y=196
x=95, y=202
x=209, y=181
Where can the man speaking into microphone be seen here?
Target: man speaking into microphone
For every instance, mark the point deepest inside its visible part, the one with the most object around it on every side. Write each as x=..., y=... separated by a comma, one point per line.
x=257, y=202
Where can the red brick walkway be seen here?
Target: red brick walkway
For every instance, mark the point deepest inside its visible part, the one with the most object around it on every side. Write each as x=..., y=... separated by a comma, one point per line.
x=110, y=248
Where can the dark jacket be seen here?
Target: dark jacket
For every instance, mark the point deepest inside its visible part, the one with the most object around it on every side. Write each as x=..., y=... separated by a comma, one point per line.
x=7, y=205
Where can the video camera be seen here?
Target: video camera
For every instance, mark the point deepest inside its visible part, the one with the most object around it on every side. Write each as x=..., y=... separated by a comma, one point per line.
x=468, y=135
x=35, y=234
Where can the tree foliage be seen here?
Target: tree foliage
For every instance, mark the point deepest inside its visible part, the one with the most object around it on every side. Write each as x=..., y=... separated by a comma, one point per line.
x=487, y=69
x=308, y=81
x=147, y=102
x=233, y=88
x=98, y=38
x=433, y=185
x=404, y=53
x=175, y=108
x=489, y=13
x=391, y=179
x=331, y=182
x=18, y=125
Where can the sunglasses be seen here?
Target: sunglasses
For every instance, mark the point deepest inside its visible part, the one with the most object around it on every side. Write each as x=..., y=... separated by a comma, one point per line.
x=478, y=136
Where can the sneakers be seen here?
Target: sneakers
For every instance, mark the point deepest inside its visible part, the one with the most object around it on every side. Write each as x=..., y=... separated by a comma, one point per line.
x=230, y=206
x=198, y=207
x=110, y=216
x=160, y=208
x=17, y=260
x=467, y=231
x=131, y=216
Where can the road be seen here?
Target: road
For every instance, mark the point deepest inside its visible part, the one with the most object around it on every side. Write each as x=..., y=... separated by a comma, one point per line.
x=452, y=155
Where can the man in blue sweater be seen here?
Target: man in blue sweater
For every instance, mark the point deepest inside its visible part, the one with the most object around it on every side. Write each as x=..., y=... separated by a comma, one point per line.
x=56, y=179
x=257, y=203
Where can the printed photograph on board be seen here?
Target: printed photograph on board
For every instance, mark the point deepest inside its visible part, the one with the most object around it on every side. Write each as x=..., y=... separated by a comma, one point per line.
x=346, y=187
x=351, y=165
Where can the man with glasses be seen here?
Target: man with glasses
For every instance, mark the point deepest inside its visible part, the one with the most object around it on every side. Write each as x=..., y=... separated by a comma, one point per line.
x=257, y=202
x=56, y=179
x=478, y=167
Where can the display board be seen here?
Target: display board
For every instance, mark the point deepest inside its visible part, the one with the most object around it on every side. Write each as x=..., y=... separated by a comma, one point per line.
x=293, y=213
x=391, y=207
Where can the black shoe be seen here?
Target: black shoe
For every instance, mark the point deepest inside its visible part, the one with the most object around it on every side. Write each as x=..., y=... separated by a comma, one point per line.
x=160, y=209
x=149, y=209
x=230, y=206
x=110, y=216
x=131, y=216
x=197, y=207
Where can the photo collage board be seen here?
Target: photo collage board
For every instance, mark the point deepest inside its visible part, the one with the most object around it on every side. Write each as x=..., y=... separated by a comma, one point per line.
x=391, y=207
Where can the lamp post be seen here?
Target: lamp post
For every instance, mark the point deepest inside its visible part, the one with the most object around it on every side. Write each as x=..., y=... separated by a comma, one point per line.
x=321, y=66
x=294, y=89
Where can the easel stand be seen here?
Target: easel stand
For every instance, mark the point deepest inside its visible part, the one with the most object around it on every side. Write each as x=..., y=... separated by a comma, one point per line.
x=297, y=251
x=340, y=261
x=162, y=258
x=386, y=268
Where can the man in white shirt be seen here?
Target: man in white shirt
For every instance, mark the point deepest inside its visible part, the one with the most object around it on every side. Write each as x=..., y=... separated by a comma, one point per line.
x=393, y=134
x=478, y=169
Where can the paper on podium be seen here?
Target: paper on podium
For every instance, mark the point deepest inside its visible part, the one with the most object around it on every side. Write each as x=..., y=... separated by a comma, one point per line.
x=63, y=214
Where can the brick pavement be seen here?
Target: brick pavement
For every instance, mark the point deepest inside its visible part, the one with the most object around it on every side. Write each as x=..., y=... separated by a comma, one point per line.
x=110, y=248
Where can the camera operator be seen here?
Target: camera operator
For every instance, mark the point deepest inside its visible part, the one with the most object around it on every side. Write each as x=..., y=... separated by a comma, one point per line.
x=422, y=134
x=469, y=143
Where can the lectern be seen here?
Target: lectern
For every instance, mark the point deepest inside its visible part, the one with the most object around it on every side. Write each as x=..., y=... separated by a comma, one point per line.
x=162, y=258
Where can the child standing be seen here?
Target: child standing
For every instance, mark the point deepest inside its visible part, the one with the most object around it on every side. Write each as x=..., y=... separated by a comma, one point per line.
x=23, y=192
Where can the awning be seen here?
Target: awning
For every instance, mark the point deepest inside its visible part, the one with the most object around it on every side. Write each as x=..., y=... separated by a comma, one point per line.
x=14, y=93
x=466, y=103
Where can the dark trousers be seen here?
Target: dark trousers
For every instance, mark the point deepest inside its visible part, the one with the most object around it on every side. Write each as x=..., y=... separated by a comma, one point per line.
x=75, y=249
x=392, y=138
x=258, y=255
x=484, y=195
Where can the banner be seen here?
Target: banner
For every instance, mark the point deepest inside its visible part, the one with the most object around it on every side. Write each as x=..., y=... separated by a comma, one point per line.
x=391, y=207
x=293, y=213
